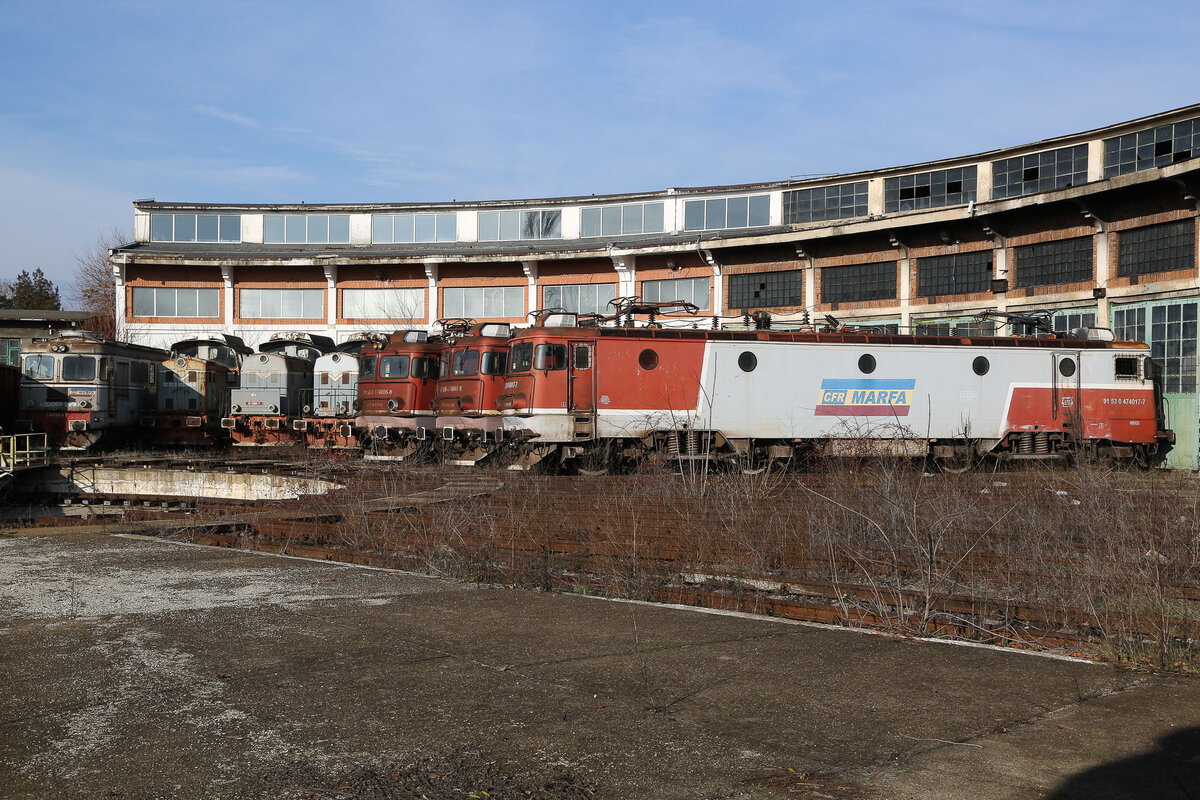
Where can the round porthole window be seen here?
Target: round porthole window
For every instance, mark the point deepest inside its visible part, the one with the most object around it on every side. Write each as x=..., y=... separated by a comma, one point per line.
x=1066, y=367
x=747, y=361
x=648, y=359
x=866, y=364
x=980, y=365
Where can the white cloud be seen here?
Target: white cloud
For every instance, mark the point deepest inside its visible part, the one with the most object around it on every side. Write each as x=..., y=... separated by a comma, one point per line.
x=228, y=116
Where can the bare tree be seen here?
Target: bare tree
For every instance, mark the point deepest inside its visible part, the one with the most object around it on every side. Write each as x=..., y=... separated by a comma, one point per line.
x=95, y=285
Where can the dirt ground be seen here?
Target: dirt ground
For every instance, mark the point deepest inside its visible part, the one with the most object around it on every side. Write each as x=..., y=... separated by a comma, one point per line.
x=141, y=668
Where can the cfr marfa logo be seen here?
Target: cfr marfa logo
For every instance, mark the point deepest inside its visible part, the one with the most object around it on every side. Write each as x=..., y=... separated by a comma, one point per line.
x=866, y=397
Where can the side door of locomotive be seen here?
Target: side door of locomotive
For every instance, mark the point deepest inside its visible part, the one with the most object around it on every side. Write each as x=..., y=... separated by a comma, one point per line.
x=581, y=389
x=581, y=379
x=1065, y=395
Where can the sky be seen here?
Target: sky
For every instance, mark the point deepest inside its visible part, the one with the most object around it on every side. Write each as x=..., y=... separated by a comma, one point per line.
x=281, y=102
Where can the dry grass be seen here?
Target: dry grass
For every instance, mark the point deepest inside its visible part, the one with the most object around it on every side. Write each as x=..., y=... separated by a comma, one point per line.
x=1107, y=558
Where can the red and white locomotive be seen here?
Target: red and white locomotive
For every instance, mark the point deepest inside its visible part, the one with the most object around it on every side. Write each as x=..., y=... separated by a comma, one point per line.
x=597, y=394
x=397, y=380
x=474, y=362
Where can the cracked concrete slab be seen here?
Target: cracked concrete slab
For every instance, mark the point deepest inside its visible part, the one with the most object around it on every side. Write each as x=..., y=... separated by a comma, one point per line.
x=135, y=667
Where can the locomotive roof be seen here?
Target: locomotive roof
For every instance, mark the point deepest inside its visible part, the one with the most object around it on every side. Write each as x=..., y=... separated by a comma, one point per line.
x=234, y=343
x=89, y=342
x=831, y=337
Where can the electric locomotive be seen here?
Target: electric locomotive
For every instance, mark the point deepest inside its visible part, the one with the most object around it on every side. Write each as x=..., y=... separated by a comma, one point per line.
x=397, y=380
x=330, y=409
x=470, y=382
x=194, y=385
x=83, y=390
x=273, y=387
x=595, y=395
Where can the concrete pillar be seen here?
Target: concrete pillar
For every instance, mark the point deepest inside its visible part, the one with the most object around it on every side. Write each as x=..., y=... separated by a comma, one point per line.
x=1000, y=270
x=120, y=330
x=431, y=273
x=331, y=303
x=875, y=196
x=718, y=284
x=905, y=288
x=626, y=267
x=530, y=269
x=227, y=294
x=1103, y=319
x=1095, y=168
x=983, y=181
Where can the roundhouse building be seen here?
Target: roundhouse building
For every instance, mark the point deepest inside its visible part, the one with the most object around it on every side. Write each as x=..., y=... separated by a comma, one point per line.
x=1098, y=227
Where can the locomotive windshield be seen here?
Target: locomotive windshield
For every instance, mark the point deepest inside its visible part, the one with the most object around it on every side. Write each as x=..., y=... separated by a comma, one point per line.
x=522, y=357
x=465, y=363
x=493, y=362
x=550, y=356
x=393, y=367
x=79, y=368
x=366, y=367
x=39, y=368
x=424, y=367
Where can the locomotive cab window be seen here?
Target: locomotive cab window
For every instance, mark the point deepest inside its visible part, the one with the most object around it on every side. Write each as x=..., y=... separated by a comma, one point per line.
x=583, y=356
x=393, y=367
x=465, y=363
x=550, y=356
x=522, y=357
x=39, y=368
x=138, y=372
x=423, y=366
x=366, y=368
x=1126, y=368
x=79, y=368
x=493, y=363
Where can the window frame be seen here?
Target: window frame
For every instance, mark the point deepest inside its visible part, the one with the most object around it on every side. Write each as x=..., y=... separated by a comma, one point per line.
x=710, y=206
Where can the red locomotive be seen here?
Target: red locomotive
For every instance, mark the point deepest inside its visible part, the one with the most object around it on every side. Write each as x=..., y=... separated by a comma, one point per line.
x=397, y=380
x=471, y=381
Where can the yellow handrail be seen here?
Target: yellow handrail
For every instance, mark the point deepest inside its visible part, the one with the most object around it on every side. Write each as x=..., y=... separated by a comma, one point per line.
x=23, y=451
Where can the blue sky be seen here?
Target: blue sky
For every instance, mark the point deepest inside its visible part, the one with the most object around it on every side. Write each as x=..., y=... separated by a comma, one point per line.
x=103, y=103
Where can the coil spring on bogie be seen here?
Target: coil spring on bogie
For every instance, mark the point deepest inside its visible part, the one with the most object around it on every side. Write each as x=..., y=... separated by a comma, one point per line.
x=673, y=443
x=693, y=443
x=1041, y=443
x=1025, y=443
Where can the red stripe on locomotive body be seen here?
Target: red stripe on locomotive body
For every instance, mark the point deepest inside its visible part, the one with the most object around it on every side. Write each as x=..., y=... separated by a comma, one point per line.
x=1120, y=415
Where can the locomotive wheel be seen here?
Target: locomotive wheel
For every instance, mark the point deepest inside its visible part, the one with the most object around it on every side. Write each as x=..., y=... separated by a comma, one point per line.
x=962, y=461
x=596, y=462
x=752, y=464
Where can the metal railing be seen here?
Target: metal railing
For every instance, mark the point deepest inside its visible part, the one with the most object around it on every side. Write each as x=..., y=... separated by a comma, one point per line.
x=23, y=451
